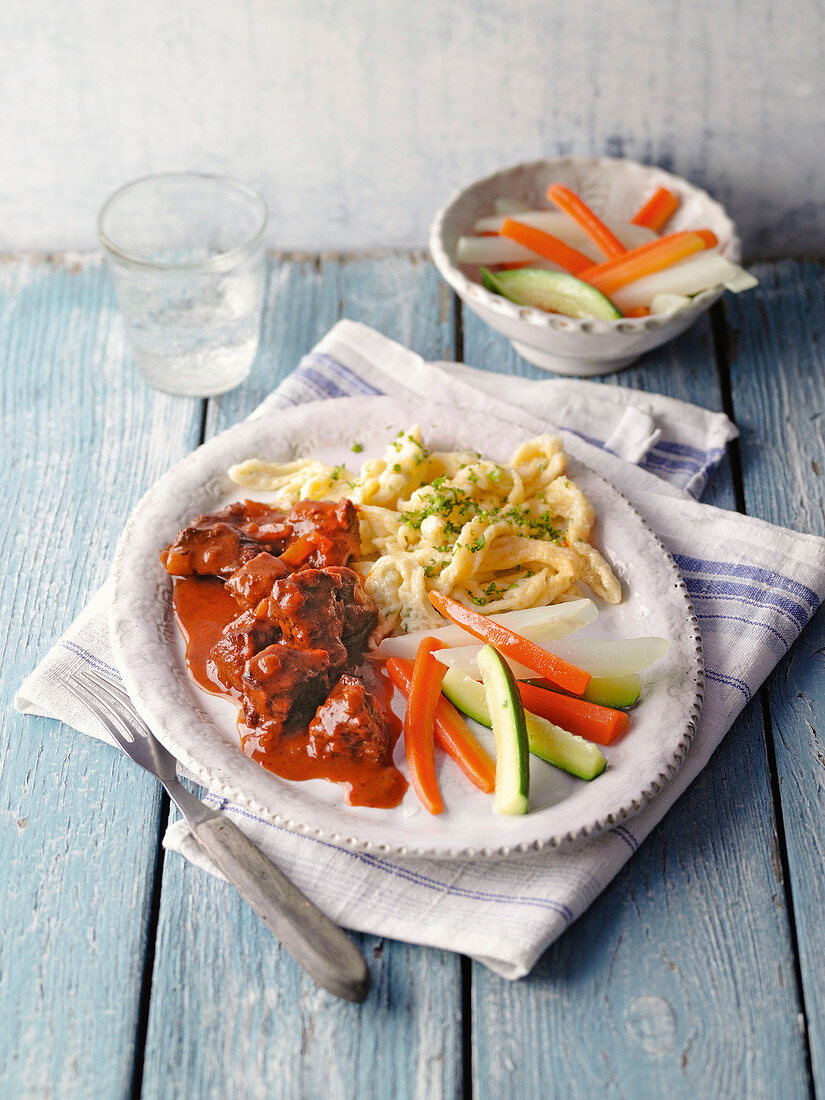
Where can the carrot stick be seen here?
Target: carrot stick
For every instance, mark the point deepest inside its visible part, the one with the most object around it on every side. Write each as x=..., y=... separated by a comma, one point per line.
x=451, y=732
x=545, y=244
x=419, y=722
x=637, y=311
x=600, y=724
x=553, y=668
x=580, y=212
x=658, y=210
x=708, y=236
x=647, y=258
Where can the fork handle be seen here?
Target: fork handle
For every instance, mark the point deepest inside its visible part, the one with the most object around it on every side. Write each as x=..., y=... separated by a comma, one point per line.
x=323, y=950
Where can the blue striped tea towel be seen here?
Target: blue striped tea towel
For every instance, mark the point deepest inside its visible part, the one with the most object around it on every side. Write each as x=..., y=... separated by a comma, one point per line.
x=753, y=586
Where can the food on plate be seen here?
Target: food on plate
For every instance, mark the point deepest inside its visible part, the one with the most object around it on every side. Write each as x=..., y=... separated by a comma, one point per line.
x=614, y=691
x=491, y=535
x=604, y=269
x=538, y=624
x=510, y=731
x=603, y=657
x=275, y=619
x=540, y=661
x=288, y=608
x=419, y=725
x=570, y=752
x=451, y=731
x=597, y=723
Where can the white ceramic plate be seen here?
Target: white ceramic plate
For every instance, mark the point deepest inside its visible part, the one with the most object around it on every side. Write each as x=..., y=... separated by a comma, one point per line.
x=201, y=731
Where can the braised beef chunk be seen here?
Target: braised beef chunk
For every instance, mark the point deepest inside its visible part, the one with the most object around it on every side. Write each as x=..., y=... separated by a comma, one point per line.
x=305, y=607
x=282, y=686
x=242, y=639
x=218, y=543
x=358, y=612
x=253, y=581
x=208, y=547
x=336, y=527
x=349, y=723
x=324, y=607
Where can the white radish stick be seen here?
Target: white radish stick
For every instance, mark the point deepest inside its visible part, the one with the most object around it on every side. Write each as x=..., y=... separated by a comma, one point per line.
x=691, y=276
x=539, y=624
x=492, y=250
x=598, y=656
x=609, y=656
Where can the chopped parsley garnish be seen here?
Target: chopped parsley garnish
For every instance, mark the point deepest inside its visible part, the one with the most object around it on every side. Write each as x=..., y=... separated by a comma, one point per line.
x=356, y=448
x=537, y=526
x=493, y=590
x=447, y=502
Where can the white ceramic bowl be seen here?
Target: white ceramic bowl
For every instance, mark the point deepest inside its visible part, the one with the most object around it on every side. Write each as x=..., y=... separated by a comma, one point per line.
x=615, y=189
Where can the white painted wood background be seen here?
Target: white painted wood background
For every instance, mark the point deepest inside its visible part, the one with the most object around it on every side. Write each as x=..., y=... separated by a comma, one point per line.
x=356, y=118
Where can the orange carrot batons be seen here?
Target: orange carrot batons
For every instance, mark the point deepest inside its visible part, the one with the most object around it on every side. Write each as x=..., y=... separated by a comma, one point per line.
x=658, y=210
x=580, y=212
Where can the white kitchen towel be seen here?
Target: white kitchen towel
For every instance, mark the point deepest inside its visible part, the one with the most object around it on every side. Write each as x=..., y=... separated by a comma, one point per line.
x=753, y=586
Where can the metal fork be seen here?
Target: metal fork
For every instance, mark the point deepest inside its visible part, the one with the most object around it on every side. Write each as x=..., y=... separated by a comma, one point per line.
x=323, y=950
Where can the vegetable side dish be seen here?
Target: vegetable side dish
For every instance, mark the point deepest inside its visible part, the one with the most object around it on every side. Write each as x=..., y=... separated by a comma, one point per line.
x=568, y=260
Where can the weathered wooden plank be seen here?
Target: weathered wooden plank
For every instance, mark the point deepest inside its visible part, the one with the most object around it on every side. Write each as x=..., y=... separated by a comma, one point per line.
x=680, y=978
x=230, y=1010
x=82, y=439
x=778, y=388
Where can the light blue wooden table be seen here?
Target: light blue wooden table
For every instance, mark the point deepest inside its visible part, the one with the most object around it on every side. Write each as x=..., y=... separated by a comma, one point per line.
x=698, y=973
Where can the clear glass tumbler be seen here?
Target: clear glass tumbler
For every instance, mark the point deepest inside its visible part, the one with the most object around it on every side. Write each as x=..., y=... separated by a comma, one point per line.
x=186, y=256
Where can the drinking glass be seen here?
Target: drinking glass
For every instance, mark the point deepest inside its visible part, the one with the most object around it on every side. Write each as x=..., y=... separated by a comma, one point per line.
x=186, y=256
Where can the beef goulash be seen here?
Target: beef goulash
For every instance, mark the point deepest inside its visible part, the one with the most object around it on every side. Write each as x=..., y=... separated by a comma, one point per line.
x=275, y=619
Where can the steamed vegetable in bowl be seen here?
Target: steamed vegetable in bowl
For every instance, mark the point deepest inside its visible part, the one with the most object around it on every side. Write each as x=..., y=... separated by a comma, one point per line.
x=570, y=261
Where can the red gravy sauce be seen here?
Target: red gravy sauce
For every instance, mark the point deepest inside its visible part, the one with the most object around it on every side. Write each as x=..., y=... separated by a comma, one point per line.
x=203, y=608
